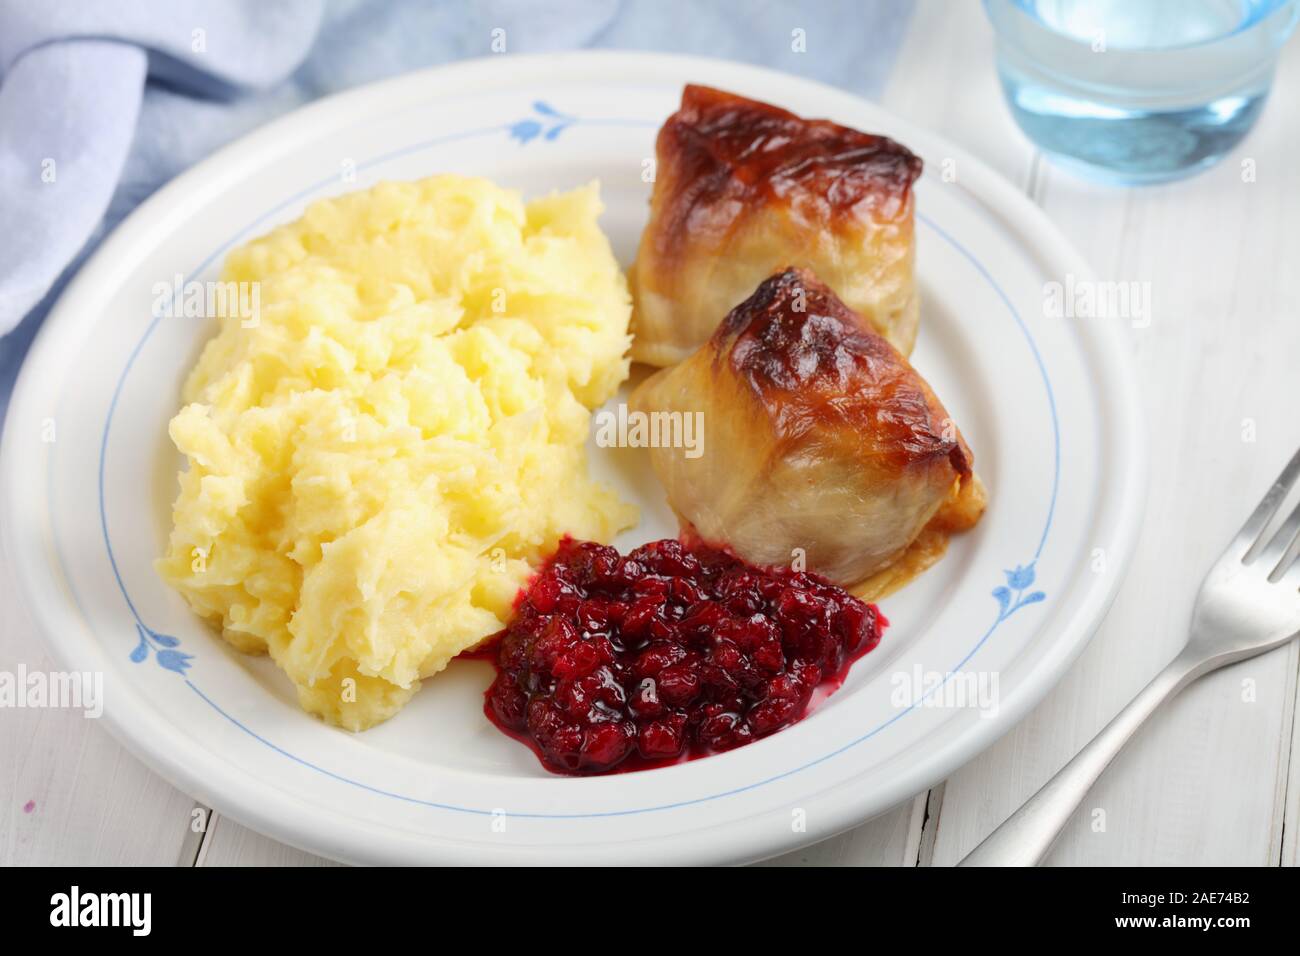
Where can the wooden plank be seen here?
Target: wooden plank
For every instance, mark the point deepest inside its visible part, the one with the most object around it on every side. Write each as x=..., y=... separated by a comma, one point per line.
x=69, y=793
x=1206, y=781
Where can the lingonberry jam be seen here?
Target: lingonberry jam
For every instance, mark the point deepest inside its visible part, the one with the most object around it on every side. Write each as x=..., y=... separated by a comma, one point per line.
x=618, y=663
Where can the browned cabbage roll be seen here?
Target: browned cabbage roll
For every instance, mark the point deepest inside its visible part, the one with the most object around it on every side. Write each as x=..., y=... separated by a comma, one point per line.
x=743, y=189
x=817, y=435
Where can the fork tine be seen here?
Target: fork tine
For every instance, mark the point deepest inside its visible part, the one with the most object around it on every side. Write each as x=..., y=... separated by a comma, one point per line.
x=1290, y=578
x=1275, y=551
x=1253, y=529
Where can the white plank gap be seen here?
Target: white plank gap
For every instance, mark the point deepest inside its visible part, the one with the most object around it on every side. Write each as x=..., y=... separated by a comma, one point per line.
x=1290, y=853
x=198, y=826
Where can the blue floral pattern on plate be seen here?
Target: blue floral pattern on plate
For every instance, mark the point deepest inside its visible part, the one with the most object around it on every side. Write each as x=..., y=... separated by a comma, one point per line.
x=549, y=127
x=164, y=650
x=1011, y=597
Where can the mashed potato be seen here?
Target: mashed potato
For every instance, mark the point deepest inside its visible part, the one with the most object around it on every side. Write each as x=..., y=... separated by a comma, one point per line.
x=377, y=465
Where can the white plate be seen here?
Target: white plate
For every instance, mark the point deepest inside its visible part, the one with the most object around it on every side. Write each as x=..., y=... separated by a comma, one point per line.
x=1048, y=404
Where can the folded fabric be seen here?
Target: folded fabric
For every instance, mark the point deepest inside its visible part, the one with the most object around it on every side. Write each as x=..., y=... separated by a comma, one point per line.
x=72, y=76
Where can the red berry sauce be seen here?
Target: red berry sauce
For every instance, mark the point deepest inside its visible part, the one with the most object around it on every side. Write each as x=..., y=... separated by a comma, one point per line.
x=618, y=663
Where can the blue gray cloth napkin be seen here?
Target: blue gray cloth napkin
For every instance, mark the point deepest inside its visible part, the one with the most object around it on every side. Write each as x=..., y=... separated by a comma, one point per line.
x=102, y=103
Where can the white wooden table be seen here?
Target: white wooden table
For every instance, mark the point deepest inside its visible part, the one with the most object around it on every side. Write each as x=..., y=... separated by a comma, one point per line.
x=1213, y=779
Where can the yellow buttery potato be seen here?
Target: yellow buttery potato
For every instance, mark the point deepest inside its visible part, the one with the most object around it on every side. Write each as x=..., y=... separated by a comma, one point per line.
x=378, y=462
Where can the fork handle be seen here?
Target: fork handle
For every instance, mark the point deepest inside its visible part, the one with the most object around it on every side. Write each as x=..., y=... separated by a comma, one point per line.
x=1024, y=838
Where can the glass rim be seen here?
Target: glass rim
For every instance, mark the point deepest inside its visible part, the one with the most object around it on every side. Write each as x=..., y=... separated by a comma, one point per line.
x=1250, y=23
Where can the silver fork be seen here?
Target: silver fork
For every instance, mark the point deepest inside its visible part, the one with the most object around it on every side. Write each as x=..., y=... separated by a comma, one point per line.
x=1249, y=603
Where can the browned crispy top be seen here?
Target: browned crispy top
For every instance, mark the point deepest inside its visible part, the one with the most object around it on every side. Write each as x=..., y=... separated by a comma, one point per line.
x=727, y=153
x=813, y=362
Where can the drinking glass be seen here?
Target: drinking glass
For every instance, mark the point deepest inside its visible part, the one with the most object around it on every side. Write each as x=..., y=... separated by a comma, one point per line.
x=1138, y=91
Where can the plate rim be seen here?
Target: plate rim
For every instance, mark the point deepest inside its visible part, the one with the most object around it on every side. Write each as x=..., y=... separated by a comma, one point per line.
x=997, y=197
